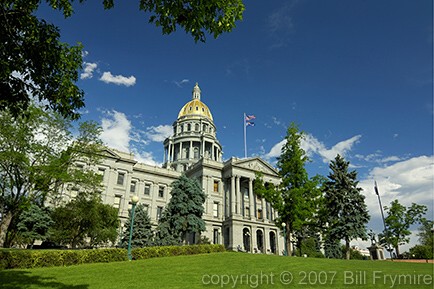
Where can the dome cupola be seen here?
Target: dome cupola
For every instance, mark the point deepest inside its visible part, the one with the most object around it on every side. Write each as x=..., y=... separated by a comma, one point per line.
x=195, y=108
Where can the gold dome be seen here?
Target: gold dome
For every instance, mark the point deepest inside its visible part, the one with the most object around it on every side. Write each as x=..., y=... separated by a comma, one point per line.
x=195, y=107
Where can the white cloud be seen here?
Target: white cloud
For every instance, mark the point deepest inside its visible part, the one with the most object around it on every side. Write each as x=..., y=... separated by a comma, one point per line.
x=145, y=158
x=116, y=131
x=280, y=24
x=88, y=70
x=107, y=77
x=180, y=83
x=312, y=145
x=409, y=181
x=159, y=133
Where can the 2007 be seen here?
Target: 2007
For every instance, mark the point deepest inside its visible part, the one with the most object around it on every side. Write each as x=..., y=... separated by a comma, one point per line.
x=314, y=277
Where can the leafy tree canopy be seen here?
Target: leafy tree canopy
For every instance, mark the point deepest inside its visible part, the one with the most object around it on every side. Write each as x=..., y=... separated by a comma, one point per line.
x=37, y=157
x=398, y=221
x=297, y=198
x=36, y=65
x=84, y=217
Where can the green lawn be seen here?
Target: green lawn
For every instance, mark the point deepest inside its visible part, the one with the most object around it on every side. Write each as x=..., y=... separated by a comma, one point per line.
x=225, y=270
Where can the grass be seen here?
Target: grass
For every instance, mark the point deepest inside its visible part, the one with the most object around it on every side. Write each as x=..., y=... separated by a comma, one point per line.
x=225, y=270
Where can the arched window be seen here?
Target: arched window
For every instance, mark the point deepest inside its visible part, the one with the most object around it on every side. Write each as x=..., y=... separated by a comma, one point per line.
x=196, y=153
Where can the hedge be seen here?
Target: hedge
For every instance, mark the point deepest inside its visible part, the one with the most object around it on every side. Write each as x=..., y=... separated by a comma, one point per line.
x=23, y=259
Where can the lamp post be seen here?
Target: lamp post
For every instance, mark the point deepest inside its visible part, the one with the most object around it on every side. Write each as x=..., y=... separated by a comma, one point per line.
x=285, y=252
x=134, y=201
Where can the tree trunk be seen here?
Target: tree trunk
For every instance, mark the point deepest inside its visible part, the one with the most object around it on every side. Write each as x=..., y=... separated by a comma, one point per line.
x=347, y=250
x=4, y=226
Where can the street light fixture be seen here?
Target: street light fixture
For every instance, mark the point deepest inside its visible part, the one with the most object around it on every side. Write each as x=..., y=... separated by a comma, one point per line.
x=285, y=252
x=134, y=201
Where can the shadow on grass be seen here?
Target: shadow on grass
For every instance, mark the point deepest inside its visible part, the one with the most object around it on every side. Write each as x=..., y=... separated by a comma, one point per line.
x=24, y=279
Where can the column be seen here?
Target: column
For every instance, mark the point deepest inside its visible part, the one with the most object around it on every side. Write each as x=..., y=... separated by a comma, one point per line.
x=180, y=151
x=238, y=193
x=251, y=200
x=232, y=199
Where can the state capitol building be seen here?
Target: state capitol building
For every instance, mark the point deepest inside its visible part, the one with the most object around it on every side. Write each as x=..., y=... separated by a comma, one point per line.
x=234, y=216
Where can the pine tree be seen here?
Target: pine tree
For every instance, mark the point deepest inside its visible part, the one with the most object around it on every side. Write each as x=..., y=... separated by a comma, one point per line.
x=345, y=209
x=183, y=213
x=297, y=198
x=143, y=235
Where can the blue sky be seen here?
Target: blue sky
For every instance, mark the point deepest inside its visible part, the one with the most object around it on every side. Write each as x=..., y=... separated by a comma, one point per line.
x=356, y=76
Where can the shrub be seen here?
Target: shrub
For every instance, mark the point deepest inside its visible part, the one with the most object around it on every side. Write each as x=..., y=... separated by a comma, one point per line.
x=21, y=259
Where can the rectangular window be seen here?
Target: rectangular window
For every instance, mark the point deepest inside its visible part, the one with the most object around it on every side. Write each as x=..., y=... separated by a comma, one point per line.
x=215, y=209
x=161, y=191
x=121, y=177
x=216, y=236
x=117, y=201
x=159, y=212
x=133, y=186
x=147, y=189
x=216, y=186
x=247, y=209
x=260, y=216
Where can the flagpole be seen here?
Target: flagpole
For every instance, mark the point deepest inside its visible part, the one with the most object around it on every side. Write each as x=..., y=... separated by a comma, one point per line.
x=382, y=215
x=245, y=143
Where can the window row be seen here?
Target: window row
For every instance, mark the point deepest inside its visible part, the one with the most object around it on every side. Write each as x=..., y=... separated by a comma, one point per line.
x=147, y=186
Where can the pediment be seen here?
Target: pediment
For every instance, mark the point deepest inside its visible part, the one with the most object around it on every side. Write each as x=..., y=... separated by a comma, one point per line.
x=256, y=164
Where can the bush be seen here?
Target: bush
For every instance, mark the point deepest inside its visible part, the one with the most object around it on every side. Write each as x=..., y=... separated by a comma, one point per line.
x=421, y=252
x=166, y=251
x=22, y=259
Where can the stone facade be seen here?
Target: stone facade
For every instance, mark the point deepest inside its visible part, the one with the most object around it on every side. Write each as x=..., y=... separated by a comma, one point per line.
x=234, y=215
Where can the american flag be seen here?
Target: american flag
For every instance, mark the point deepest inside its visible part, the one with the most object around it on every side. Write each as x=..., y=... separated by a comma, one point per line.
x=250, y=117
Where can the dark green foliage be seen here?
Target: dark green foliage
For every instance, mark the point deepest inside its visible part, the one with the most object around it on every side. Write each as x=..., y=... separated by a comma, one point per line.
x=34, y=224
x=398, y=221
x=20, y=259
x=332, y=248
x=421, y=252
x=167, y=251
x=142, y=230
x=84, y=217
x=310, y=247
x=298, y=197
x=183, y=214
x=35, y=64
x=344, y=206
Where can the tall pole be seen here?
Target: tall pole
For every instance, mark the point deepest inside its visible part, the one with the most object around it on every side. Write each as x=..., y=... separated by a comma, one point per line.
x=134, y=201
x=382, y=216
x=245, y=143
x=285, y=252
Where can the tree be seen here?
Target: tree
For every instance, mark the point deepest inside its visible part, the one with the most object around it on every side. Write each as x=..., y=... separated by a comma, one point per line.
x=183, y=213
x=398, y=222
x=84, y=217
x=35, y=64
x=33, y=224
x=37, y=156
x=297, y=197
x=142, y=229
x=344, y=205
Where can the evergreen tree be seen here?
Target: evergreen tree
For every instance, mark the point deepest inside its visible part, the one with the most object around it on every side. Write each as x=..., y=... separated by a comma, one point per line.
x=344, y=206
x=398, y=222
x=33, y=224
x=183, y=214
x=142, y=235
x=297, y=197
